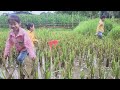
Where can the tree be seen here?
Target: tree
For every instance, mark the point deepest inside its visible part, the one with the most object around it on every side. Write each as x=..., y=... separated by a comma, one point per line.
x=90, y=14
x=22, y=12
x=93, y=14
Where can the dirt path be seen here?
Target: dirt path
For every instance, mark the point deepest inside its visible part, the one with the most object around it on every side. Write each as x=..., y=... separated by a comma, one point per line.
x=76, y=70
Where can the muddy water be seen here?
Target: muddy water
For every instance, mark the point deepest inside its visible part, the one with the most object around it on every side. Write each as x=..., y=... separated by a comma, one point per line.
x=13, y=71
x=2, y=73
x=15, y=74
x=39, y=71
x=80, y=70
x=76, y=70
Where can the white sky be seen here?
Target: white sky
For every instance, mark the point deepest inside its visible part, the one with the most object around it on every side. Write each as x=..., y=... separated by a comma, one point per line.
x=34, y=12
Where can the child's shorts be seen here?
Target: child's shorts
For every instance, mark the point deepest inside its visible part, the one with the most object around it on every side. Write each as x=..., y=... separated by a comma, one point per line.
x=21, y=57
x=99, y=34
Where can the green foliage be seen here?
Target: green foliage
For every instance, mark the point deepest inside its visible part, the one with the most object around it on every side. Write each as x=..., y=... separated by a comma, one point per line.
x=42, y=19
x=87, y=27
x=108, y=26
x=115, y=33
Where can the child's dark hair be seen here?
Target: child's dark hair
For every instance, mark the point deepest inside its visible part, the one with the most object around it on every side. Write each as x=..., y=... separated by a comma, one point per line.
x=29, y=25
x=13, y=17
x=102, y=17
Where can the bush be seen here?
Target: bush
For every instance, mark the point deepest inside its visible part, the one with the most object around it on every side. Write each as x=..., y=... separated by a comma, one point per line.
x=89, y=27
x=108, y=26
x=115, y=33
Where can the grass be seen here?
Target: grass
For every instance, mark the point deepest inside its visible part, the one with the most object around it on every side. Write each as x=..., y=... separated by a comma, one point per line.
x=59, y=63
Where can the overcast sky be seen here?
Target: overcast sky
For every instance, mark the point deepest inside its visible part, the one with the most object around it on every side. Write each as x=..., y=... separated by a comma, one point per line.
x=34, y=12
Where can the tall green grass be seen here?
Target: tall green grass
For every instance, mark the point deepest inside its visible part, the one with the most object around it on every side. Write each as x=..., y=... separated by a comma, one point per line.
x=89, y=27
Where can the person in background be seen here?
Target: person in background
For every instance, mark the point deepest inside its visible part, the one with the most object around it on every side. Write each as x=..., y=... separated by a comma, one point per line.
x=31, y=33
x=100, y=27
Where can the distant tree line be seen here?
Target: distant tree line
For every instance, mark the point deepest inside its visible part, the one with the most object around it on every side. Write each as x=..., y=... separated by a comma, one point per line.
x=89, y=14
x=94, y=14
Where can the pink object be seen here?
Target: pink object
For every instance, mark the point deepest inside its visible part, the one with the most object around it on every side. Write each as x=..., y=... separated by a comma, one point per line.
x=52, y=43
x=22, y=42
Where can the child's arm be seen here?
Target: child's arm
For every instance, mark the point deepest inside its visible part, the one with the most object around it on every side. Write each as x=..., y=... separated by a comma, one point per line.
x=8, y=46
x=28, y=45
x=34, y=38
x=98, y=27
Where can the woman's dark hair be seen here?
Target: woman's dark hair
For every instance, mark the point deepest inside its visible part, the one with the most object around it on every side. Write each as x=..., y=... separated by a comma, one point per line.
x=102, y=17
x=13, y=17
x=29, y=25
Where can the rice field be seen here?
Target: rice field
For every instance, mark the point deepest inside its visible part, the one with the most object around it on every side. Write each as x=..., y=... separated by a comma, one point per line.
x=76, y=56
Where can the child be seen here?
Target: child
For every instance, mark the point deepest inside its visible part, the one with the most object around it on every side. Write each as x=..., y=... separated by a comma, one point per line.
x=31, y=28
x=31, y=34
x=100, y=27
x=20, y=39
